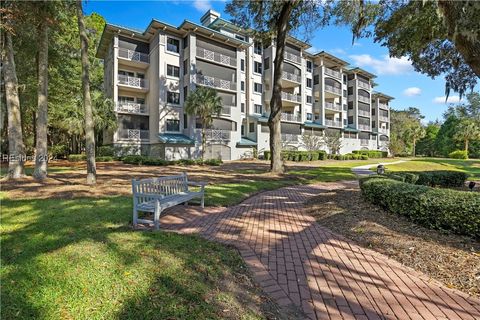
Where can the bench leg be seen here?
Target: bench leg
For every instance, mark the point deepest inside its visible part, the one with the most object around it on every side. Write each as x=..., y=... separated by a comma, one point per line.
x=135, y=216
x=156, y=216
x=203, y=201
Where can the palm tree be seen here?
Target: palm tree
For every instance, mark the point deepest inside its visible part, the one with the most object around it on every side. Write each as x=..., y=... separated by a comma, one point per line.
x=415, y=133
x=204, y=103
x=467, y=130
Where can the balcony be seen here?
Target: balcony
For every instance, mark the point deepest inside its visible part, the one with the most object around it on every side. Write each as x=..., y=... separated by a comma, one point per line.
x=364, y=113
x=291, y=77
x=363, y=99
x=383, y=106
x=364, y=85
x=364, y=142
x=333, y=123
x=131, y=107
x=289, y=137
x=133, y=56
x=383, y=130
x=133, y=82
x=334, y=90
x=133, y=134
x=290, y=117
x=333, y=106
x=291, y=97
x=292, y=57
x=216, y=57
x=214, y=135
x=226, y=110
x=213, y=82
x=364, y=127
x=333, y=73
x=382, y=118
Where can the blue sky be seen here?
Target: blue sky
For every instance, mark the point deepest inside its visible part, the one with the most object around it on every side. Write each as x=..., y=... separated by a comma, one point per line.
x=396, y=77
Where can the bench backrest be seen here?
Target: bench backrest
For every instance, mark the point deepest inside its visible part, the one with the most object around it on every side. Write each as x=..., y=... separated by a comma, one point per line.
x=165, y=186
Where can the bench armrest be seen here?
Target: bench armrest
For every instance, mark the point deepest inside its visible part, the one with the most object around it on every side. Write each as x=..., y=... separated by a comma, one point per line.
x=197, y=184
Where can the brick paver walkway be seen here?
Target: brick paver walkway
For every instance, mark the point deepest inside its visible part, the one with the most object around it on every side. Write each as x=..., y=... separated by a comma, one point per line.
x=302, y=264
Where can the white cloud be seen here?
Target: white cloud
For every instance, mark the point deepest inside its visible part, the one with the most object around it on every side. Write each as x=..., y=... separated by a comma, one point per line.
x=412, y=92
x=386, y=65
x=451, y=99
x=202, y=5
x=338, y=51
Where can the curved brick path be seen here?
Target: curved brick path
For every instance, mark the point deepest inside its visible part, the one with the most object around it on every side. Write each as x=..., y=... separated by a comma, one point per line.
x=300, y=264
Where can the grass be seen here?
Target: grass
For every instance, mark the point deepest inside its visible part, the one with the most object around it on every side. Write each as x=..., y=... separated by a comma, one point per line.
x=472, y=167
x=29, y=170
x=80, y=259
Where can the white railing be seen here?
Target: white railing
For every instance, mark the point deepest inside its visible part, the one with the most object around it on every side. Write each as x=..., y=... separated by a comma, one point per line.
x=289, y=137
x=364, y=85
x=133, y=55
x=292, y=57
x=333, y=123
x=291, y=117
x=133, y=134
x=333, y=89
x=217, y=57
x=213, y=82
x=382, y=118
x=291, y=77
x=364, y=127
x=226, y=110
x=333, y=73
x=131, y=107
x=333, y=106
x=213, y=135
x=291, y=97
x=364, y=142
x=382, y=130
x=363, y=113
x=133, y=81
x=383, y=106
x=363, y=99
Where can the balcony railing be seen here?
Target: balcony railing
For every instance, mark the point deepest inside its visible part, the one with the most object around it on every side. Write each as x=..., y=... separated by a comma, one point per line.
x=363, y=113
x=217, y=57
x=291, y=77
x=364, y=85
x=364, y=127
x=333, y=89
x=333, y=123
x=333, y=106
x=363, y=99
x=291, y=97
x=133, y=55
x=292, y=57
x=291, y=117
x=226, y=110
x=133, y=134
x=364, y=142
x=383, y=106
x=213, y=82
x=133, y=81
x=382, y=130
x=288, y=137
x=382, y=118
x=333, y=73
x=213, y=135
x=131, y=107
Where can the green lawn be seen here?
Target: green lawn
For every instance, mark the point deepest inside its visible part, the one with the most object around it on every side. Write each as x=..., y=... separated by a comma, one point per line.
x=472, y=167
x=29, y=170
x=64, y=259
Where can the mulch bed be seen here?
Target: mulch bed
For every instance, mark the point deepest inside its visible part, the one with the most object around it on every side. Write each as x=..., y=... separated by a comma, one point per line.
x=451, y=259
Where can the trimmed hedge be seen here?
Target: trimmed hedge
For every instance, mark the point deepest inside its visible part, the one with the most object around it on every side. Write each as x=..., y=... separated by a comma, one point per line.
x=443, y=209
x=77, y=157
x=458, y=154
x=372, y=153
x=143, y=160
x=347, y=156
x=299, y=155
x=445, y=178
x=106, y=151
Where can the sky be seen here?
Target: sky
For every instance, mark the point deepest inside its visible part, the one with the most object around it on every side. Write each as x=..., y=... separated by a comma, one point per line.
x=395, y=77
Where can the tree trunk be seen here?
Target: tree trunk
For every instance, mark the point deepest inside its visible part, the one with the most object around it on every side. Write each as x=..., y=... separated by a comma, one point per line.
x=16, y=148
x=466, y=146
x=87, y=102
x=204, y=142
x=41, y=148
x=274, y=124
x=414, y=142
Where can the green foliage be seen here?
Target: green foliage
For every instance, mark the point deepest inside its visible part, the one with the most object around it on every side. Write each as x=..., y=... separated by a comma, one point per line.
x=444, y=209
x=213, y=162
x=106, y=151
x=439, y=178
x=149, y=161
x=405, y=125
x=372, y=153
x=59, y=151
x=426, y=145
x=77, y=157
x=458, y=154
x=104, y=159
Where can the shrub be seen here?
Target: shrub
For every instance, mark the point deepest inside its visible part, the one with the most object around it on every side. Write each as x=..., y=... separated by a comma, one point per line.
x=77, y=157
x=372, y=153
x=104, y=159
x=458, y=154
x=106, y=151
x=456, y=211
x=58, y=151
x=133, y=159
x=266, y=155
x=442, y=178
x=322, y=155
x=187, y=162
x=363, y=157
x=213, y=162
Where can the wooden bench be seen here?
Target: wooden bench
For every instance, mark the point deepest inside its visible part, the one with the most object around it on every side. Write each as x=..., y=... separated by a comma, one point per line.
x=157, y=194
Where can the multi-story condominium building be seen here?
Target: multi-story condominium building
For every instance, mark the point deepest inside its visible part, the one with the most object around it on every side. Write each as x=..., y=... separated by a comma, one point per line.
x=149, y=74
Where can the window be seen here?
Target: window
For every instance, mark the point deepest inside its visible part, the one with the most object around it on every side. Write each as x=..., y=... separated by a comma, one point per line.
x=239, y=37
x=173, y=125
x=345, y=93
x=257, y=67
x=242, y=65
x=173, y=97
x=316, y=79
x=350, y=90
x=309, y=99
x=350, y=105
x=309, y=66
x=126, y=99
x=257, y=47
x=185, y=67
x=373, y=124
x=242, y=130
x=173, y=71
x=185, y=121
x=258, y=108
x=242, y=85
x=141, y=100
x=373, y=111
x=185, y=42
x=344, y=79
x=257, y=87
x=309, y=116
x=345, y=122
x=251, y=127
x=173, y=45
x=309, y=83
x=140, y=75
x=350, y=120
x=266, y=63
x=242, y=107
x=185, y=93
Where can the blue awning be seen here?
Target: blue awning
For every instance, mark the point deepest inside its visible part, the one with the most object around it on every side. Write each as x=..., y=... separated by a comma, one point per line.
x=314, y=125
x=245, y=142
x=175, y=138
x=348, y=129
